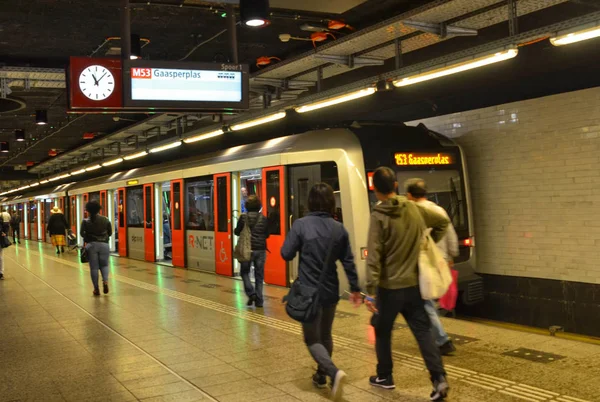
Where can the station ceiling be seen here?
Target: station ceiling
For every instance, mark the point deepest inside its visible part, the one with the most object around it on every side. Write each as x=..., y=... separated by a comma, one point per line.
x=36, y=34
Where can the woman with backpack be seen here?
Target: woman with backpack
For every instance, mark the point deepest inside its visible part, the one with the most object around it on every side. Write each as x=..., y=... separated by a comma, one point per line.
x=258, y=232
x=321, y=241
x=95, y=232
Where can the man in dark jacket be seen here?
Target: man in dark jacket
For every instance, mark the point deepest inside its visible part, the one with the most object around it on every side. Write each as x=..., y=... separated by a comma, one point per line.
x=15, y=226
x=395, y=238
x=259, y=230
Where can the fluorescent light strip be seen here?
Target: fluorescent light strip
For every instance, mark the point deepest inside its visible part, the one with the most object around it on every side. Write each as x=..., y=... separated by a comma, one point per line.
x=76, y=172
x=34, y=184
x=44, y=181
x=457, y=68
x=113, y=162
x=165, y=147
x=203, y=136
x=568, y=38
x=336, y=100
x=135, y=156
x=90, y=168
x=257, y=122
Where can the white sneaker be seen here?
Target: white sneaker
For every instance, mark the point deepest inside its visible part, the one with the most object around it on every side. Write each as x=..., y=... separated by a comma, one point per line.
x=338, y=385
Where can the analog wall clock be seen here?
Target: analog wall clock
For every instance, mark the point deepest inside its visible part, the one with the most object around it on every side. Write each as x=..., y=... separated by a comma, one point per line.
x=96, y=82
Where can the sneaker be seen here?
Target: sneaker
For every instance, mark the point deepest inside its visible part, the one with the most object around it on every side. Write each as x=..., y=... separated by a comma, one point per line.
x=96, y=293
x=386, y=383
x=319, y=380
x=105, y=288
x=337, y=385
x=447, y=348
x=440, y=389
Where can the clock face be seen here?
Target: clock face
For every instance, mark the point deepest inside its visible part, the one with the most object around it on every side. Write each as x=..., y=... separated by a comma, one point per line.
x=96, y=82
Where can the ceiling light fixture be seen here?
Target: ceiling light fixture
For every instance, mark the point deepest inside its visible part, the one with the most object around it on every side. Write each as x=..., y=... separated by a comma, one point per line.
x=62, y=176
x=94, y=167
x=336, y=100
x=76, y=172
x=448, y=69
x=204, y=136
x=165, y=147
x=113, y=162
x=585, y=32
x=19, y=135
x=4, y=147
x=255, y=13
x=257, y=122
x=136, y=155
x=41, y=117
x=34, y=184
x=44, y=181
x=136, y=48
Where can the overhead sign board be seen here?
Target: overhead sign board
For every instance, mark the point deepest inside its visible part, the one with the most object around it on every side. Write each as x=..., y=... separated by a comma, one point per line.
x=178, y=85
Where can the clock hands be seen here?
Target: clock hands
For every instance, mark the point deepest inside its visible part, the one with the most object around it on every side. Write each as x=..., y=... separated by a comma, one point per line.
x=95, y=80
x=100, y=79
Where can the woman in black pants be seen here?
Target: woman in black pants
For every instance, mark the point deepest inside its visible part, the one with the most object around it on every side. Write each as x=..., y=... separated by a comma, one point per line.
x=312, y=236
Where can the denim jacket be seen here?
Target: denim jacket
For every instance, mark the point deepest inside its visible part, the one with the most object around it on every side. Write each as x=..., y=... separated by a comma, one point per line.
x=310, y=236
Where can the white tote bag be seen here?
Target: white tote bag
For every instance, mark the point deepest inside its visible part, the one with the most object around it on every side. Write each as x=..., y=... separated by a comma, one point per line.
x=434, y=273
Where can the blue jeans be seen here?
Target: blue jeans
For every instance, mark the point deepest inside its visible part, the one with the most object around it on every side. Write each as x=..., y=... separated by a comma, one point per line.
x=437, y=329
x=258, y=258
x=98, y=255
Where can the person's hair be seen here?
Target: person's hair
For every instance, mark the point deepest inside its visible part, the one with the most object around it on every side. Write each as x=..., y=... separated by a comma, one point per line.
x=321, y=199
x=253, y=204
x=416, y=187
x=93, y=208
x=384, y=180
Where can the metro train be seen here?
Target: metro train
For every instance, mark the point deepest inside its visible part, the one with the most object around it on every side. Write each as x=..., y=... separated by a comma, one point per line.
x=182, y=213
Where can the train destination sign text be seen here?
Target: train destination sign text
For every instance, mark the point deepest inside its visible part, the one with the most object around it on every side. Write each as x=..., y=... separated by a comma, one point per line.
x=415, y=159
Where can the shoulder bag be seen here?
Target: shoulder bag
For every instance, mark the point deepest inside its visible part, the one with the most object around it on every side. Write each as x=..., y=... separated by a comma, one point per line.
x=83, y=253
x=434, y=274
x=243, y=249
x=303, y=301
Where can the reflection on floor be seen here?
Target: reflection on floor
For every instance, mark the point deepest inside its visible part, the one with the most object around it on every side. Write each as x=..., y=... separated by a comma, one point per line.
x=166, y=334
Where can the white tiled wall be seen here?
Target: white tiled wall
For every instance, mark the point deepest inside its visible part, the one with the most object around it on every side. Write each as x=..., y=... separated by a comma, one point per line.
x=535, y=178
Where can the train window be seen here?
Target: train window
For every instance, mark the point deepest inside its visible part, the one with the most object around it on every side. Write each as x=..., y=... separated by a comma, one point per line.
x=95, y=196
x=251, y=184
x=135, y=207
x=444, y=187
x=273, y=202
x=32, y=212
x=120, y=208
x=222, y=204
x=177, y=206
x=148, y=206
x=199, y=205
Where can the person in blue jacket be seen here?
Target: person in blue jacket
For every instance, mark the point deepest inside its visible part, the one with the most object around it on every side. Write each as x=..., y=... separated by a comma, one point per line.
x=311, y=236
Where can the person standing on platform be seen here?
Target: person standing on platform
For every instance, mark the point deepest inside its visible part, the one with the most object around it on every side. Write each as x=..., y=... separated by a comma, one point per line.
x=15, y=227
x=316, y=237
x=244, y=192
x=6, y=217
x=57, y=227
x=95, y=231
x=395, y=238
x=416, y=190
x=259, y=232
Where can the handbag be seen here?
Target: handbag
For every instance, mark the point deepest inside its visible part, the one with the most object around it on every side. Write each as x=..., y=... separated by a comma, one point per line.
x=303, y=301
x=434, y=274
x=243, y=249
x=84, y=257
x=448, y=301
x=5, y=242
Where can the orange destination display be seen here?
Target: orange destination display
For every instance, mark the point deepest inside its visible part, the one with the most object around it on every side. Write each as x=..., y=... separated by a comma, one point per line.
x=416, y=159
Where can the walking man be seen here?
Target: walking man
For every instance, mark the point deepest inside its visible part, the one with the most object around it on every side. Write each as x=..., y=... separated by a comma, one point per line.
x=395, y=237
x=15, y=227
x=416, y=191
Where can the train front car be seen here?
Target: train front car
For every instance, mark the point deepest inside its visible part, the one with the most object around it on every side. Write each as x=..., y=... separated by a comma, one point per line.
x=417, y=152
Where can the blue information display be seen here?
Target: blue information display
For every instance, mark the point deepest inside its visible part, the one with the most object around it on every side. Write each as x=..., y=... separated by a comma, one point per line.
x=177, y=85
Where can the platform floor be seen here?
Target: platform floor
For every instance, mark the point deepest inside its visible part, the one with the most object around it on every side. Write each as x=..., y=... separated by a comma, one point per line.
x=165, y=334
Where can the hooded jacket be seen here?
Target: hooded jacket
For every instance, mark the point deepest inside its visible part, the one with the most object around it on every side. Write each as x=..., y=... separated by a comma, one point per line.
x=259, y=229
x=395, y=237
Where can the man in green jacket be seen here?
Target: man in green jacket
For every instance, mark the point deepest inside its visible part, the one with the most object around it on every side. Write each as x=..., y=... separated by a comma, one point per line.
x=395, y=237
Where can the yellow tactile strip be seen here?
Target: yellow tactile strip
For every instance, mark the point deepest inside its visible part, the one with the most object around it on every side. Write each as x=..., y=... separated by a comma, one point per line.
x=490, y=383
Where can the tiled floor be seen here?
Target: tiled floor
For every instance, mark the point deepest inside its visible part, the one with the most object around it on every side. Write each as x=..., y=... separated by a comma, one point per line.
x=163, y=335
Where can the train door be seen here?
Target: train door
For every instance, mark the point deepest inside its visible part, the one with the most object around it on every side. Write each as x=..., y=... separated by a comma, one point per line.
x=103, y=203
x=86, y=198
x=109, y=210
x=114, y=219
x=24, y=227
x=122, y=224
x=301, y=180
x=177, y=229
x=162, y=219
x=273, y=202
x=149, y=223
x=222, y=212
x=73, y=214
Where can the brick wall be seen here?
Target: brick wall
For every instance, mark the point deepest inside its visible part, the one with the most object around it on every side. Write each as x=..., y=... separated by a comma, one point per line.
x=534, y=171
